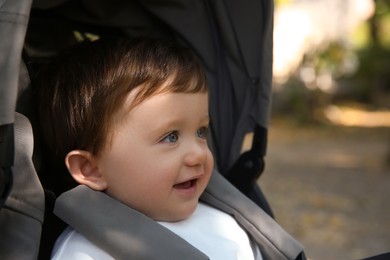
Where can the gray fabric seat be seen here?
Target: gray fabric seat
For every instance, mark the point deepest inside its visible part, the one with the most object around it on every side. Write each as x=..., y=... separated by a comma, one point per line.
x=22, y=216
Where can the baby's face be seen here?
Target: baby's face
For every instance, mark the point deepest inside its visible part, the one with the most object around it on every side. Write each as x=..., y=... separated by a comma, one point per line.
x=158, y=162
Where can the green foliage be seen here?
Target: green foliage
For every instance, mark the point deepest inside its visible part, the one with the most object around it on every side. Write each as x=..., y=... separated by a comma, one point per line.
x=337, y=58
x=299, y=103
x=360, y=66
x=372, y=79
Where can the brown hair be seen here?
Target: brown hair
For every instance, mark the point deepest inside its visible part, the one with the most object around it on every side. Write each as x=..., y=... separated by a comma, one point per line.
x=80, y=91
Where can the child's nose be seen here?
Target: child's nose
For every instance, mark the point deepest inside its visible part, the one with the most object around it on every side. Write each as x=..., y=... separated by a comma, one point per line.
x=196, y=154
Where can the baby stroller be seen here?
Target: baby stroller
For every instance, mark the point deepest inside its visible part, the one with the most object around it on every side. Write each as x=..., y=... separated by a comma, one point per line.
x=233, y=40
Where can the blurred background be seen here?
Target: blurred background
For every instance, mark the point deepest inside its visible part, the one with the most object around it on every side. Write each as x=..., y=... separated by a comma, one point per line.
x=327, y=174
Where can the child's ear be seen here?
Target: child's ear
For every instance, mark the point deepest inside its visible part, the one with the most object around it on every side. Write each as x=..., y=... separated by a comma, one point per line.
x=83, y=168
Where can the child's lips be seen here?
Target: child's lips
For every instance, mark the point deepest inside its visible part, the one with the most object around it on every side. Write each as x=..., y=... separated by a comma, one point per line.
x=185, y=185
x=186, y=188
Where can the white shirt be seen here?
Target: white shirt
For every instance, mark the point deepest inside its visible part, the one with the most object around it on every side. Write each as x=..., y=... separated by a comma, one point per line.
x=72, y=245
x=211, y=231
x=216, y=234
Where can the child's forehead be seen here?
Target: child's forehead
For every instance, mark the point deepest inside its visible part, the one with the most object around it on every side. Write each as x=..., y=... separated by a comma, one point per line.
x=145, y=91
x=136, y=97
x=167, y=104
x=148, y=90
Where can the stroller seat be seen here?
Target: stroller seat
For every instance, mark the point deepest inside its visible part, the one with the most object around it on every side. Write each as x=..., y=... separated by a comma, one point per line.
x=22, y=215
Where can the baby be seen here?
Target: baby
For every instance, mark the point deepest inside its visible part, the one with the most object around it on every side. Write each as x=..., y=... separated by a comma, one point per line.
x=130, y=119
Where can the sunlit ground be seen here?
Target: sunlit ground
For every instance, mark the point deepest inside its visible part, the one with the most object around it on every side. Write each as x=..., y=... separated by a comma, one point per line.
x=347, y=116
x=329, y=186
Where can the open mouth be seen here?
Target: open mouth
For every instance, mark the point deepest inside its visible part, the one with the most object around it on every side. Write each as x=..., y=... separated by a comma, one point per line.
x=185, y=185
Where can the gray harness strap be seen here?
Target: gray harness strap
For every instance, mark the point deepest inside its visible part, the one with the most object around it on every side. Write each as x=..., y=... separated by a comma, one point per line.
x=119, y=230
x=274, y=242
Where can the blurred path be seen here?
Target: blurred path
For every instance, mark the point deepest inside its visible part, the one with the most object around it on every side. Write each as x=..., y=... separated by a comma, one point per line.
x=329, y=187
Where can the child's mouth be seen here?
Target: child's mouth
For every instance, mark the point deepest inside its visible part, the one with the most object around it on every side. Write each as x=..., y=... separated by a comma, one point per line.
x=185, y=185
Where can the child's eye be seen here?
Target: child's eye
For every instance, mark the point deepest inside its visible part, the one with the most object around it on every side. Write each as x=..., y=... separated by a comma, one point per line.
x=172, y=137
x=202, y=132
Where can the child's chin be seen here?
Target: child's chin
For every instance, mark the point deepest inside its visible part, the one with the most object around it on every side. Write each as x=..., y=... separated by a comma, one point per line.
x=178, y=216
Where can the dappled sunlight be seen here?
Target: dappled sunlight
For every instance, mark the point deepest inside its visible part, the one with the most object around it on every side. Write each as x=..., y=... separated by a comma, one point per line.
x=343, y=160
x=305, y=26
x=292, y=29
x=347, y=116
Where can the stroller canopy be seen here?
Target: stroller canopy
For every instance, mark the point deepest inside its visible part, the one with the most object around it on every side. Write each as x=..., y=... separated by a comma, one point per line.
x=232, y=38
